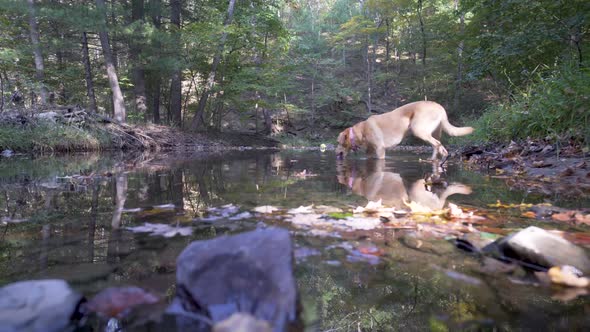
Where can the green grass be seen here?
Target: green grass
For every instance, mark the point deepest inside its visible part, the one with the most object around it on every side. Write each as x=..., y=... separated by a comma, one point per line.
x=51, y=137
x=554, y=107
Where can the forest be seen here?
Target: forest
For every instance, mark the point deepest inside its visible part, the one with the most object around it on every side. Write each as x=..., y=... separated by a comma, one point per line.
x=302, y=69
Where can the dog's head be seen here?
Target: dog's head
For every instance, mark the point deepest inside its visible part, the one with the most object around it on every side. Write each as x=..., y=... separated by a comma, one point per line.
x=344, y=144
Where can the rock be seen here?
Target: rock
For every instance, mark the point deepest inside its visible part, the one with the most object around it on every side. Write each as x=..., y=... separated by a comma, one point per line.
x=539, y=249
x=38, y=305
x=47, y=116
x=7, y=153
x=240, y=322
x=249, y=272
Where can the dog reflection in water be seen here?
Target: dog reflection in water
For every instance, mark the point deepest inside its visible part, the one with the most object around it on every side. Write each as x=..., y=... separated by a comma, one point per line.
x=374, y=183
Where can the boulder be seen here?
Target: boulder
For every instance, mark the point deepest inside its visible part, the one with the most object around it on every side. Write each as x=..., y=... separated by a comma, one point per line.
x=38, y=305
x=249, y=273
x=539, y=249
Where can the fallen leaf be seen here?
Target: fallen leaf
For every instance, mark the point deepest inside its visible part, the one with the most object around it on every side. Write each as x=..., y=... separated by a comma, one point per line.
x=265, y=209
x=582, y=219
x=566, y=275
x=240, y=216
x=563, y=216
x=162, y=230
x=301, y=209
x=118, y=301
x=416, y=207
x=529, y=214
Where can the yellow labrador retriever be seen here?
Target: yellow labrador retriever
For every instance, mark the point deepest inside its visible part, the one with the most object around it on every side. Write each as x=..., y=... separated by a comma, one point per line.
x=425, y=119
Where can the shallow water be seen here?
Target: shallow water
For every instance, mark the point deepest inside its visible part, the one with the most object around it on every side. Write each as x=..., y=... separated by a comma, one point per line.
x=68, y=217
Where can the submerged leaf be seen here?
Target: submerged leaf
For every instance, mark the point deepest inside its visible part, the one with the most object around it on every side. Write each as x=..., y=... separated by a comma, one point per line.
x=265, y=209
x=162, y=230
x=567, y=276
x=117, y=301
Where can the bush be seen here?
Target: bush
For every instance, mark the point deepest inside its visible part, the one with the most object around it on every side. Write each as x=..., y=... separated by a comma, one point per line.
x=50, y=137
x=553, y=107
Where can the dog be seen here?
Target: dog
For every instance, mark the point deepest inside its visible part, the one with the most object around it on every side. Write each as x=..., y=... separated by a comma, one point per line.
x=425, y=119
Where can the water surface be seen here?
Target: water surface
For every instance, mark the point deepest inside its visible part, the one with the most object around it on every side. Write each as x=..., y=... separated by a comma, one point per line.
x=68, y=217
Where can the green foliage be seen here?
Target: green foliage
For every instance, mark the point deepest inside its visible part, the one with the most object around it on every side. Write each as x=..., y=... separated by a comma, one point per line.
x=322, y=58
x=50, y=137
x=551, y=107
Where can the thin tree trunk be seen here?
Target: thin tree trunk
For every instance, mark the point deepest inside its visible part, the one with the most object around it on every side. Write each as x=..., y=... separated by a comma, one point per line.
x=198, y=120
x=458, y=82
x=38, y=56
x=155, y=7
x=137, y=14
x=422, y=31
x=114, y=48
x=1, y=93
x=88, y=70
x=118, y=102
x=176, y=81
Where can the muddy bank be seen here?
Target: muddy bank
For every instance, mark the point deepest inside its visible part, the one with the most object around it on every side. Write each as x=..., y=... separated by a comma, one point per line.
x=534, y=165
x=73, y=129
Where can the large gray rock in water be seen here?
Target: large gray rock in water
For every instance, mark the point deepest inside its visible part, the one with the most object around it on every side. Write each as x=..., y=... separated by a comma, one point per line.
x=541, y=248
x=249, y=272
x=37, y=305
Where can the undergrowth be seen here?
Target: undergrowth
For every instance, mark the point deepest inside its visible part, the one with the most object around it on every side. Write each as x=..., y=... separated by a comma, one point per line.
x=51, y=137
x=553, y=108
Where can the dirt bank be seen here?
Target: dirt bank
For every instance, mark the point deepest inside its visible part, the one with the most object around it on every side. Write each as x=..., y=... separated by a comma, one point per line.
x=535, y=165
x=71, y=129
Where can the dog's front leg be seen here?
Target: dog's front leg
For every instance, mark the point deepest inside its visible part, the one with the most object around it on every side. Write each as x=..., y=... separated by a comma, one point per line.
x=380, y=152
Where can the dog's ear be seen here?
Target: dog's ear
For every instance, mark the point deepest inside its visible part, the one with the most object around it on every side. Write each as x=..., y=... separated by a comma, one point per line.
x=343, y=138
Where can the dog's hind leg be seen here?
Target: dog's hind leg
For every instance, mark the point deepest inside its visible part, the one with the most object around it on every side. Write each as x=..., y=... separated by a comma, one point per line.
x=437, y=146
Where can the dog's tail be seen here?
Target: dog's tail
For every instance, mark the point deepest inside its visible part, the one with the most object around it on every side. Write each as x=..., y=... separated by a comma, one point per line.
x=454, y=131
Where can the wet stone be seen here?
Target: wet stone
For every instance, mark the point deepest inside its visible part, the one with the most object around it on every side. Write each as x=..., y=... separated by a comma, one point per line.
x=249, y=272
x=37, y=305
x=542, y=249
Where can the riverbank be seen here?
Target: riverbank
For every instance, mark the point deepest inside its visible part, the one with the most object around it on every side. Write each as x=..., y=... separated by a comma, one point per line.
x=538, y=166
x=72, y=129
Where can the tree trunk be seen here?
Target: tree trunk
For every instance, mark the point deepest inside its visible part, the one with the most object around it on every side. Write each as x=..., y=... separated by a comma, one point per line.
x=137, y=14
x=1, y=93
x=39, y=67
x=458, y=82
x=88, y=70
x=198, y=120
x=156, y=79
x=118, y=102
x=422, y=31
x=176, y=81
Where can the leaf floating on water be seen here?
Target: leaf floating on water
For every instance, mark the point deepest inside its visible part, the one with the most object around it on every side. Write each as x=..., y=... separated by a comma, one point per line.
x=457, y=213
x=304, y=174
x=118, y=301
x=240, y=216
x=162, y=230
x=165, y=207
x=301, y=209
x=266, y=209
x=512, y=206
x=224, y=211
x=8, y=220
x=339, y=215
x=371, y=250
x=567, y=276
x=416, y=207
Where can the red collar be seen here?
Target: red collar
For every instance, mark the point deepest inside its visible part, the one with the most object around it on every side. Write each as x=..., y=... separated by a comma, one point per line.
x=353, y=146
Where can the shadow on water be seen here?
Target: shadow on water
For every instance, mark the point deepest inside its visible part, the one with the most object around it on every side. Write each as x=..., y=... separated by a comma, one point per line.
x=69, y=218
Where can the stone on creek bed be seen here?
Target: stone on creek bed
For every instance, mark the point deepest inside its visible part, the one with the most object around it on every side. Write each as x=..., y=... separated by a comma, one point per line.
x=540, y=248
x=250, y=272
x=38, y=305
